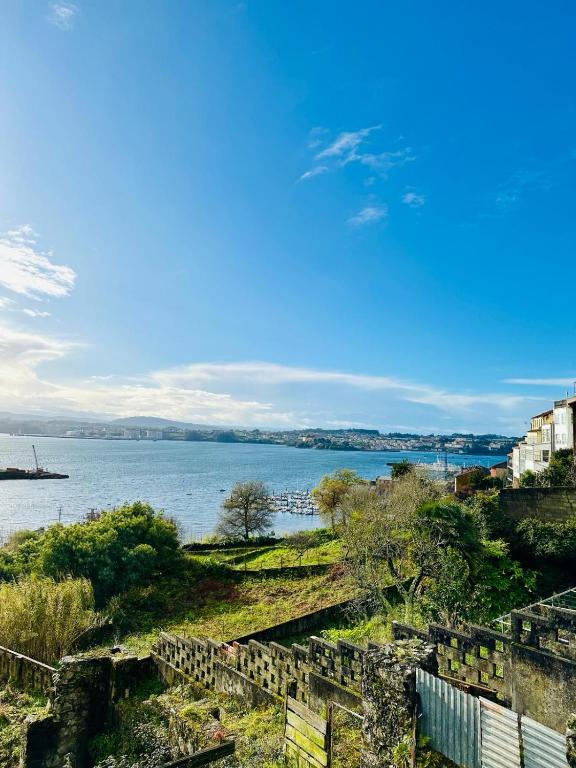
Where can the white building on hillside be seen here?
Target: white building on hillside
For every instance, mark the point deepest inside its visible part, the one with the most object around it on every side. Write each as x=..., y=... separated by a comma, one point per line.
x=549, y=431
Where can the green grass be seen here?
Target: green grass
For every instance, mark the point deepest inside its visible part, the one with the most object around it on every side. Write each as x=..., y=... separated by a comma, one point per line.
x=223, y=609
x=283, y=557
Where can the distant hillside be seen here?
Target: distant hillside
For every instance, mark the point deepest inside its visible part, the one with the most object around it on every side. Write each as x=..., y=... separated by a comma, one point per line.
x=154, y=422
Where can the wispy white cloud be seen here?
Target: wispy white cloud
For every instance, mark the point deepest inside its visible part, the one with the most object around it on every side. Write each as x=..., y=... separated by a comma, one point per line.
x=315, y=137
x=264, y=373
x=383, y=162
x=346, y=143
x=512, y=192
x=316, y=171
x=63, y=15
x=243, y=393
x=27, y=271
x=35, y=313
x=355, y=147
x=369, y=215
x=560, y=381
x=413, y=200
x=6, y=303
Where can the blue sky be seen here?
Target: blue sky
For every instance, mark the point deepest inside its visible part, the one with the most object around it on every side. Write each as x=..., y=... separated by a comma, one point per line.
x=288, y=214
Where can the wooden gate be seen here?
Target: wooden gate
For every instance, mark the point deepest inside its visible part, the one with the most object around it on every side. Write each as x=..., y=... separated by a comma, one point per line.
x=306, y=738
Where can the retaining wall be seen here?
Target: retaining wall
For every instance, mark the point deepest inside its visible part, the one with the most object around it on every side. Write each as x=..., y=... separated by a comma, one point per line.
x=25, y=672
x=554, y=504
x=299, y=625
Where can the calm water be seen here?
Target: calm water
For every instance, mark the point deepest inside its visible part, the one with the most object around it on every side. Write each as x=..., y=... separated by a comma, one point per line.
x=184, y=479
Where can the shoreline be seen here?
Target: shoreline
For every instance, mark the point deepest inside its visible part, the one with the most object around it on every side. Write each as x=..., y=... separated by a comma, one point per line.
x=255, y=442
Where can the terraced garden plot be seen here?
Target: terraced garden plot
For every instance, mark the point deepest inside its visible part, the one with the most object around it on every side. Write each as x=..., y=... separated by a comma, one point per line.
x=286, y=557
x=224, y=609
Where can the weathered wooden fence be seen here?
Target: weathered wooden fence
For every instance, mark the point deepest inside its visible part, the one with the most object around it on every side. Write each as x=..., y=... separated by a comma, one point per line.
x=203, y=757
x=307, y=737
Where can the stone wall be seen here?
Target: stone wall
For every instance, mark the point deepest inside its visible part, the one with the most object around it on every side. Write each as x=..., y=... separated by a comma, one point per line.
x=314, y=675
x=85, y=690
x=389, y=697
x=543, y=503
x=24, y=672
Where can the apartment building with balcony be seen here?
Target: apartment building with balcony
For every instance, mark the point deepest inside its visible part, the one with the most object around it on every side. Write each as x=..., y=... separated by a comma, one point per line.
x=550, y=431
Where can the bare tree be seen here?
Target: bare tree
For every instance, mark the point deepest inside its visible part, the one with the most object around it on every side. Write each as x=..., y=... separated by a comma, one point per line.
x=248, y=510
x=300, y=542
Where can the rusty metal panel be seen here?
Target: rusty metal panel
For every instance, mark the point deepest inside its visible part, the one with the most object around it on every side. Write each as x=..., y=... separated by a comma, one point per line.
x=450, y=719
x=500, y=736
x=543, y=747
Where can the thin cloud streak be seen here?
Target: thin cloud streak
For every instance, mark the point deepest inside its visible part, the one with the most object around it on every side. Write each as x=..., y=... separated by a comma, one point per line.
x=317, y=171
x=346, y=143
x=369, y=215
x=27, y=271
x=561, y=381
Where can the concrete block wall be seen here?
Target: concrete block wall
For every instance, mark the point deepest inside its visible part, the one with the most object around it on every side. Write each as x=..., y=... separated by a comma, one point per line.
x=271, y=667
x=479, y=658
x=546, y=627
x=533, y=669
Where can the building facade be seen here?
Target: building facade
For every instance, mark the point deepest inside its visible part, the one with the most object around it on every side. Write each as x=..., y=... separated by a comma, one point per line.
x=550, y=431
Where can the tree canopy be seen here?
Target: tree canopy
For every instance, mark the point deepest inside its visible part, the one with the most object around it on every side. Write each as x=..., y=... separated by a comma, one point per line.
x=431, y=549
x=248, y=510
x=331, y=491
x=117, y=549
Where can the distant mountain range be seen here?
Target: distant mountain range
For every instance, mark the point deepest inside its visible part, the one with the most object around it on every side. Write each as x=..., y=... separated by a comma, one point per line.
x=154, y=422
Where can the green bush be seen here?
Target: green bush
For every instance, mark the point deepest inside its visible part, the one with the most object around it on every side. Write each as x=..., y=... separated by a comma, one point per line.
x=119, y=549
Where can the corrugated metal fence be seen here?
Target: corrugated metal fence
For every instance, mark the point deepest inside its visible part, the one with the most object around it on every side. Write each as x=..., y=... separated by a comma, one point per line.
x=543, y=747
x=450, y=718
x=476, y=733
x=499, y=736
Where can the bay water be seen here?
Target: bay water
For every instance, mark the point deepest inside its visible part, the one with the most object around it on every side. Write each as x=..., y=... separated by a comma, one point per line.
x=187, y=480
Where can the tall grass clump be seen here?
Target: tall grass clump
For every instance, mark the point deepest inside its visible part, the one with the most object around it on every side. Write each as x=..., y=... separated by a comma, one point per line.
x=43, y=618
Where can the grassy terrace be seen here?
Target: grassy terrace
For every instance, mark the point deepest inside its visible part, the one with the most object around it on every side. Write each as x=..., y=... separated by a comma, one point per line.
x=323, y=549
x=223, y=608
x=278, y=556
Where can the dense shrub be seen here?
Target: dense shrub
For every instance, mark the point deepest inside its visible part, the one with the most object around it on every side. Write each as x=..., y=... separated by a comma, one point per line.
x=121, y=548
x=43, y=618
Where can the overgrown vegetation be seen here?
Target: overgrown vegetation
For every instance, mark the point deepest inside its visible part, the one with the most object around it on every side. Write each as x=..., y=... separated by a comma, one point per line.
x=15, y=707
x=560, y=472
x=43, y=618
x=224, y=609
x=115, y=550
x=432, y=550
x=151, y=723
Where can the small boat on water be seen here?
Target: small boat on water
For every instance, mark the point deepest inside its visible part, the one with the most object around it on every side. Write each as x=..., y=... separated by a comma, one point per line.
x=14, y=473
